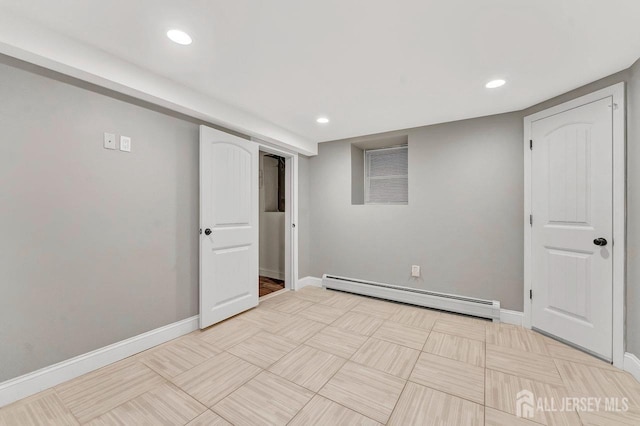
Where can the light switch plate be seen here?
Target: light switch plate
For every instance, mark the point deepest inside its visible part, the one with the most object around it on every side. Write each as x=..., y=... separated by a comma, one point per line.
x=109, y=141
x=415, y=271
x=125, y=143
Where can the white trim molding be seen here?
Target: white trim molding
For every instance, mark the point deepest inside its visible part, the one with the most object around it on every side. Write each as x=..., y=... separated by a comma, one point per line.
x=45, y=378
x=273, y=294
x=617, y=93
x=290, y=274
x=511, y=317
x=278, y=275
x=308, y=281
x=632, y=365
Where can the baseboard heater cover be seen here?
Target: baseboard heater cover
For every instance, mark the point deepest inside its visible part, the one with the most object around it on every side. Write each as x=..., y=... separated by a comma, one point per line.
x=428, y=299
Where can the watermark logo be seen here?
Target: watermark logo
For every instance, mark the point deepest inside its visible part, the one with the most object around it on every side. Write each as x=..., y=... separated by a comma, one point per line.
x=524, y=404
x=527, y=404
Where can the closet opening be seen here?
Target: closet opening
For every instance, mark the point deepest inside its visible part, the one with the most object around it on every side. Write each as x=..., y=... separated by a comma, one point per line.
x=272, y=219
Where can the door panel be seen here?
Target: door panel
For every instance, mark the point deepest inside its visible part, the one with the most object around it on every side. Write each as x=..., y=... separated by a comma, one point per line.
x=572, y=204
x=229, y=209
x=569, y=283
x=231, y=181
x=569, y=174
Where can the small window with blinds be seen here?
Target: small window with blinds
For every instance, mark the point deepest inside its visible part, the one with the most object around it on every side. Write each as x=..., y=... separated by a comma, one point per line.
x=386, y=175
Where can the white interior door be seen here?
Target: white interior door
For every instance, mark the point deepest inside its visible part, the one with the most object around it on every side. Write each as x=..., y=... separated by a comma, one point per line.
x=572, y=207
x=229, y=225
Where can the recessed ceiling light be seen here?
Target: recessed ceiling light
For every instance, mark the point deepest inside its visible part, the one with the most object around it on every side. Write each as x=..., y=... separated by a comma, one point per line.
x=494, y=83
x=179, y=37
x=322, y=120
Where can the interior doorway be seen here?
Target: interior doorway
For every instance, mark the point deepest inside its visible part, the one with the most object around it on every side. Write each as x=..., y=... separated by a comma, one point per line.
x=574, y=226
x=230, y=223
x=272, y=184
x=272, y=219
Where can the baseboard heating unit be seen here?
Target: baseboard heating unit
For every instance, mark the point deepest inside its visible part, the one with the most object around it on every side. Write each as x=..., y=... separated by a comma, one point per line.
x=429, y=299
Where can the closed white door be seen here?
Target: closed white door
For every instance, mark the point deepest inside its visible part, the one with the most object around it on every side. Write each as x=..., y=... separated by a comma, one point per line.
x=229, y=225
x=572, y=207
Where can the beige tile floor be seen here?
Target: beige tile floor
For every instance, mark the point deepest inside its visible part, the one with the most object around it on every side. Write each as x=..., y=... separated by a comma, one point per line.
x=317, y=357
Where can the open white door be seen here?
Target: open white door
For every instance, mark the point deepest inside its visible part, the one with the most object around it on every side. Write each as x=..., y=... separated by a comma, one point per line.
x=572, y=231
x=229, y=225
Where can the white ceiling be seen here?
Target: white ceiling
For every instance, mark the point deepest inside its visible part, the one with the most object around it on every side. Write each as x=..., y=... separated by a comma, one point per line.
x=370, y=66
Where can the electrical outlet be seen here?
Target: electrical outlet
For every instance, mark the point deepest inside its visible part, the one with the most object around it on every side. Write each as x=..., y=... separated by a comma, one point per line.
x=125, y=143
x=109, y=141
x=415, y=271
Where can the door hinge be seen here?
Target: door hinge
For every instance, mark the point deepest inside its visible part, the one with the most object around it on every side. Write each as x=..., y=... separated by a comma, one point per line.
x=530, y=294
x=530, y=143
x=531, y=219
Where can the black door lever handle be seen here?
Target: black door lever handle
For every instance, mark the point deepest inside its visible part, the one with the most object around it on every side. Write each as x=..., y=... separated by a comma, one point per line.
x=600, y=242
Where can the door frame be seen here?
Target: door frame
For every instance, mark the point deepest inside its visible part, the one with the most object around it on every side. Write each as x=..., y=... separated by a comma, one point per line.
x=617, y=93
x=290, y=211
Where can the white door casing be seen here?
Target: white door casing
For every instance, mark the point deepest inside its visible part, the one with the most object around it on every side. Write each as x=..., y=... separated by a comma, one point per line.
x=572, y=205
x=229, y=225
x=291, y=212
x=574, y=188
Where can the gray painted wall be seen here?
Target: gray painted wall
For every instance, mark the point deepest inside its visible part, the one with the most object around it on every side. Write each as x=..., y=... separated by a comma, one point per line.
x=303, y=225
x=633, y=210
x=463, y=224
x=357, y=175
x=96, y=245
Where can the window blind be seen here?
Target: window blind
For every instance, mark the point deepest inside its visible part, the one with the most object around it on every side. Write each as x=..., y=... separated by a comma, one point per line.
x=386, y=176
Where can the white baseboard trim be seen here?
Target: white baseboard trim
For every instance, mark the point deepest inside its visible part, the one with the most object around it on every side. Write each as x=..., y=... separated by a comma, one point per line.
x=632, y=365
x=47, y=377
x=273, y=294
x=511, y=317
x=272, y=274
x=308, y=281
